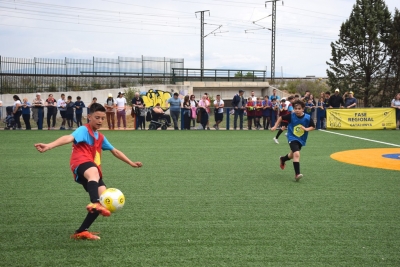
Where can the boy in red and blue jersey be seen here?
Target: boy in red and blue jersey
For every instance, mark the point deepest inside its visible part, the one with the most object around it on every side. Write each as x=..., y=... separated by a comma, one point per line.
x=299, y=124
x=85, y=163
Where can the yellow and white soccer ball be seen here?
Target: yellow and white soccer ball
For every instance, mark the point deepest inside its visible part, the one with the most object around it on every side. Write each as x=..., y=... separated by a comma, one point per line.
x=112, y=199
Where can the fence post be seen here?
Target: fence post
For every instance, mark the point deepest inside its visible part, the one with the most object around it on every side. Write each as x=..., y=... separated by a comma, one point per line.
x=227, y=117
x=142, y=71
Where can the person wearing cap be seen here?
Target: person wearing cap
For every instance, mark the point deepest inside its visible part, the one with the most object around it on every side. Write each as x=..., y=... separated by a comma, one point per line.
x=239, y=105
x=175, y=104
x=349, y=100
x=120, y=103
x=79, y=105
x=336, y=101
x=110, y=111
x=38, y=104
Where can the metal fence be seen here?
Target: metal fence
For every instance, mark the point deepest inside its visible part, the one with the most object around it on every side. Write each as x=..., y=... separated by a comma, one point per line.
x=188, y=74
x=19, y=75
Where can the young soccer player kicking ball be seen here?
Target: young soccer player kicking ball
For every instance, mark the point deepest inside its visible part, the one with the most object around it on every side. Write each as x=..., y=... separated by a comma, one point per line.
x=85, y=164
x=299, y=124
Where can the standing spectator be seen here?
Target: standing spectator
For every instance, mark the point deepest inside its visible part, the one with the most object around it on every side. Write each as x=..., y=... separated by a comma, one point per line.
x=120, y=102
x=321, y=113
x=253, y=97
x=349, y=100
x=208, y=111
x=70, y=112
x=38, y=104
x=326, y=105
x=26, y=113
x=94, y=100
x=274, y=96
x=17, y=111
x=309, y=108
x=274, y=110
x=62, y=107
x=306, y=96
x=110, y=111
x=203, y=107
x=51, y=105
x=266, y=112
x=139, y=106
x=239, y=105
x=186, y=113
x=250, y=109
x=79, y=105
x=193, y=105
x=396, y=104
x=218, y=111
x=258, y=113
x=336, y=101
x=175, y=109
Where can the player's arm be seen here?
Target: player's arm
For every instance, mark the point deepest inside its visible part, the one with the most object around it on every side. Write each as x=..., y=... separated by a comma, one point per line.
x=63, y=140
x=311, y=126
x=121, y=156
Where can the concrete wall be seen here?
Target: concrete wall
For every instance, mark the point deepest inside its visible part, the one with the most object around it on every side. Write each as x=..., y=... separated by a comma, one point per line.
x=101, y=95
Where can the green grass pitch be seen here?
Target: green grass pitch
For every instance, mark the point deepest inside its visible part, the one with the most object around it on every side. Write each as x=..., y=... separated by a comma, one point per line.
x=202, y=198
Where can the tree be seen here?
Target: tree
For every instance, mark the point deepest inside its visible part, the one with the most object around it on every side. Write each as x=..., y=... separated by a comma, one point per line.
x=359, y=57
x=391, y=82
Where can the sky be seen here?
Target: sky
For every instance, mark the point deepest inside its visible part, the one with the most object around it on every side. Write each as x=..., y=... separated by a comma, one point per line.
x=237, y=31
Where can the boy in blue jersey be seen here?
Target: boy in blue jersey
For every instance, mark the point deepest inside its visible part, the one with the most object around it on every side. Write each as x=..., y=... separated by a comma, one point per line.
x=85, y=164
x=299, y=124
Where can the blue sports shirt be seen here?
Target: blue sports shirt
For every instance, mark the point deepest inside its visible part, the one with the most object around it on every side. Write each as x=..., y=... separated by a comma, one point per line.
x=295, y=133
x=82, y=135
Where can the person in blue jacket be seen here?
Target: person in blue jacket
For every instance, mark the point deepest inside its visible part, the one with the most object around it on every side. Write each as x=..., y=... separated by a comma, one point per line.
x=79, y=105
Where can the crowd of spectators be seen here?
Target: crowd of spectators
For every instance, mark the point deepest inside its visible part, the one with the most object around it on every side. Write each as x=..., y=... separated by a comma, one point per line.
x=261, y=112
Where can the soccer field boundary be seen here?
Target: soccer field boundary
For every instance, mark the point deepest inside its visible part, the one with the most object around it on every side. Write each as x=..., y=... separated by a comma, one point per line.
x=361, y=138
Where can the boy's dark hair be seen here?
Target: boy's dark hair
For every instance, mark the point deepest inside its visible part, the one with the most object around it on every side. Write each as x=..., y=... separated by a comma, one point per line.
x=176, y=94
x=290, y=97
x=97, y=107
x=299, y=102
x=296, y=96
x=328, y=93
x=69, y=97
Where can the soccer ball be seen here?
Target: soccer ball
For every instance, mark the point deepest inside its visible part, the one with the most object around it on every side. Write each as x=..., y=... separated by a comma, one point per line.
x=112, y=199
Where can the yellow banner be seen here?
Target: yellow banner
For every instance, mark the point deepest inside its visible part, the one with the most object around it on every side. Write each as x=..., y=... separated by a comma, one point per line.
x=361, y=118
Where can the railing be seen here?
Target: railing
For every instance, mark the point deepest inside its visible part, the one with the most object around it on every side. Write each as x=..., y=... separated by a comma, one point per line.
x=19, y=75
x=187, y=74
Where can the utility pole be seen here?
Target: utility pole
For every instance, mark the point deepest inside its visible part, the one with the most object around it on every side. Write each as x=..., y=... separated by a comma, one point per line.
x=202, y=40
x=273, y=37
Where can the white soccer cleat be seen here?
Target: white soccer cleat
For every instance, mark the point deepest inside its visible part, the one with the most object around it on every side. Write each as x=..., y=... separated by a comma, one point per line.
x=275, y=140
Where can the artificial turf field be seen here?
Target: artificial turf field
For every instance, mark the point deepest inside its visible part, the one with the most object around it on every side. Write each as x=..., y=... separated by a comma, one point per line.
x=203, y=198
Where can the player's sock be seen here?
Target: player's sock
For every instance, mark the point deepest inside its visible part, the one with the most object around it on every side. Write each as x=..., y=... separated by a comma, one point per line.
x=285, y=158
x=93, y=190
x=279, y=133
x=296, y=166
x=90, y=218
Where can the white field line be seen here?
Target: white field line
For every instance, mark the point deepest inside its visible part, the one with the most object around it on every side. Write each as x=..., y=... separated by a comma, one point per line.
x=361, y=138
